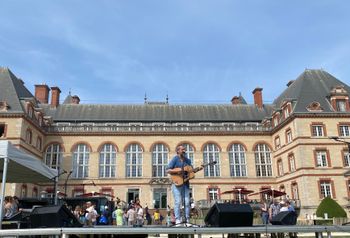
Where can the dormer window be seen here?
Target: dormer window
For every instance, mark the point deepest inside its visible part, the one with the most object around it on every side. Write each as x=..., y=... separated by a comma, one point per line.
x=341, y=105
x=276, y=118
x=339, y=99
x=30, y=111
x=286, y=108
x=3, y=106
x=286, y=113
x=314, y=107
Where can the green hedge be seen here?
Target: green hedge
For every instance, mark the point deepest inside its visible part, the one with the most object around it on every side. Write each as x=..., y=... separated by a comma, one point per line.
x=331, y=207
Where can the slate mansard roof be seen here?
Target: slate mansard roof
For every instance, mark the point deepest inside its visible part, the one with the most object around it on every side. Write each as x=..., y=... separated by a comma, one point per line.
x=12, y=90
x=311, y=86
x=158, y=113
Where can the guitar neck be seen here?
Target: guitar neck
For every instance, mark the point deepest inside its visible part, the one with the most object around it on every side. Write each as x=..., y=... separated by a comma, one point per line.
x=197, y=169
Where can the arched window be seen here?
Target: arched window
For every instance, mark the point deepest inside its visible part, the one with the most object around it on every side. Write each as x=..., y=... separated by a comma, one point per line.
x=134, y=155
x=160, y=154
x=238, y=166
x=211, y=153
x=81, y=156
x=263, y=164
x=108, y=156
x=53, y=156
x=189, y=152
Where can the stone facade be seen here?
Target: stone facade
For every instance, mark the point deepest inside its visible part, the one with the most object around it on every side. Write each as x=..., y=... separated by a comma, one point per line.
x=304, y=160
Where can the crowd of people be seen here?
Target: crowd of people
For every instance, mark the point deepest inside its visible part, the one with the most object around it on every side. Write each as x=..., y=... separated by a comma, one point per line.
x=11, y=206
x=132, y=214
x=270, y=210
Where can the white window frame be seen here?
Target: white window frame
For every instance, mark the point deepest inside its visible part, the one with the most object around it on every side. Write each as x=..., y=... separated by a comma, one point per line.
x=347, y=159
x=81, y=156
x=213, y=194
x=237, y=158
x=263, y=162
x=326, y=189
x=107, y=161
x=344, y=130
x=158, y=193
x=211, y=152
x=317, y=130
x=53, y=156
x=134, y=159
x=341, y=105
x=160, y=157
x=321, y=158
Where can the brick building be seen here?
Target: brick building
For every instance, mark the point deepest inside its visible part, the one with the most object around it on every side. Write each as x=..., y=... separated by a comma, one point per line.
x=123, y=150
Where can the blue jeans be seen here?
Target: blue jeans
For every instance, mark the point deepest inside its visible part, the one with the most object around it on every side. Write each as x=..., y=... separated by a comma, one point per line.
x=265, y=218
x=178, y=193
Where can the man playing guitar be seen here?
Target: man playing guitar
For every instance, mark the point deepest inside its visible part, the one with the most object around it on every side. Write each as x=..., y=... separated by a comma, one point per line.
x=176, y=167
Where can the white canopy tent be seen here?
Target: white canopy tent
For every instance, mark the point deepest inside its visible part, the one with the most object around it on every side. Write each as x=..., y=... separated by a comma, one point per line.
x=19, y=167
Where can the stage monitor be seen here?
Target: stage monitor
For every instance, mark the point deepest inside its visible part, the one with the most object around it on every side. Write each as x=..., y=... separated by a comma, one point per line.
x=229, y=215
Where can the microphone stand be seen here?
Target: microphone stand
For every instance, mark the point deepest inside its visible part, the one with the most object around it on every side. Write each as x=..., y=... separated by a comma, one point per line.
x=184, y=176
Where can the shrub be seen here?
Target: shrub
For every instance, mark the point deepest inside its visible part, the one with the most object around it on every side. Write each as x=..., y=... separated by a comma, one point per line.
x=331, y=207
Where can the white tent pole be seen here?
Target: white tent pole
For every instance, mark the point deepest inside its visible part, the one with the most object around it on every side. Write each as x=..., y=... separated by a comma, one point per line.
x=3, y=184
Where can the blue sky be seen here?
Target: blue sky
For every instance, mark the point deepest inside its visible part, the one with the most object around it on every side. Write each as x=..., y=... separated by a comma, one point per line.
x=196, y=51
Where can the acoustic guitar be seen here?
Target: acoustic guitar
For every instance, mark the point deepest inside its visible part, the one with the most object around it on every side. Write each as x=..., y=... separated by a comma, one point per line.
x=179, y=177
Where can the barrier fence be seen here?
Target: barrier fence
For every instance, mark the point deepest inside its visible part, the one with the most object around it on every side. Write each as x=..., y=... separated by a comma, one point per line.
x=199, y=231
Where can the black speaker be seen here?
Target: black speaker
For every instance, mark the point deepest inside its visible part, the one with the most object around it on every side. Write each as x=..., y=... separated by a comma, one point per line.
x=53, y=216
x=229, y=215
x=284, y=218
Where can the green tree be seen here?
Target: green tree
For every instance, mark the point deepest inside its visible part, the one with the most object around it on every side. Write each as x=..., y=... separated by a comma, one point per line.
x=331, y=207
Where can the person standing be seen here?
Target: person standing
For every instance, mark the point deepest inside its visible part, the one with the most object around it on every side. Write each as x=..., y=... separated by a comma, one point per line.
x=131, y=214
x=264, y=209
x=148, y=216
x=119, y=216
x=179, y=166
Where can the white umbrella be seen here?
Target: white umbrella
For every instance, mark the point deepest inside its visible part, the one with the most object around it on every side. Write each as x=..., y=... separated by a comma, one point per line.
x=18, y=167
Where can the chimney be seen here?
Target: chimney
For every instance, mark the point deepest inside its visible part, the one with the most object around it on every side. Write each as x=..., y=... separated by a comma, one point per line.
x=257, y=92
x=75, y=99
x=236, y=100
x=55, y=96
x=42, y=93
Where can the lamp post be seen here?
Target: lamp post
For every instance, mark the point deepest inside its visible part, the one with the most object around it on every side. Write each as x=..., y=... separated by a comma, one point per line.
x=92, y=182
x=66, y=181
x=55, y=180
